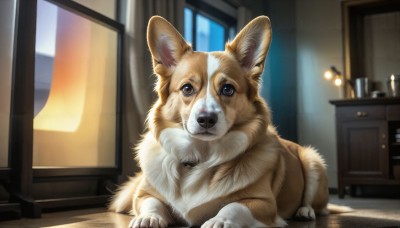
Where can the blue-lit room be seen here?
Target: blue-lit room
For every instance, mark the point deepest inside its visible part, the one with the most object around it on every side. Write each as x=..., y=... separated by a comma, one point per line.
x=200, y=113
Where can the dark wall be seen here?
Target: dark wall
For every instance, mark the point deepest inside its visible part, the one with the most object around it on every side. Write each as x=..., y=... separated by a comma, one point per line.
x=280, y=77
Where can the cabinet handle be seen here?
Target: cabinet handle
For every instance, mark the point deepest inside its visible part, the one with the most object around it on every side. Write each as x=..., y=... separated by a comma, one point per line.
x=362, y=114
x=383, y=146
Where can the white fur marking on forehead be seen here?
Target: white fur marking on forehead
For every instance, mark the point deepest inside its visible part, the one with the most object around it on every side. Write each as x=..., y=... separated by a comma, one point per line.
x=212, y=66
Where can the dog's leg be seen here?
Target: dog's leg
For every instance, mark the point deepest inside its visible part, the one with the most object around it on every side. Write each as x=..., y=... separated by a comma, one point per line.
x=315, y=196
x=152, y=213
x=306, y=212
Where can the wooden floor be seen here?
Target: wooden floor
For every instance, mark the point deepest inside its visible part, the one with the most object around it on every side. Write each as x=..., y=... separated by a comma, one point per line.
x=368, y=213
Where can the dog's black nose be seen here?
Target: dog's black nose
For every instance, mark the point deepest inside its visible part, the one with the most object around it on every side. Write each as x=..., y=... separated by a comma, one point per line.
x=207, y=119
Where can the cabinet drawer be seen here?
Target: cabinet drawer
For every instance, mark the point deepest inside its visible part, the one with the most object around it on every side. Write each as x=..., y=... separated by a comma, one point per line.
x=367, y=112
x=393, y=112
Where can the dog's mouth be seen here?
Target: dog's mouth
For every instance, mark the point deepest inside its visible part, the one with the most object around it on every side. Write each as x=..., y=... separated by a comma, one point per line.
x=203, y=134
x=205, y=137
x=206, y=133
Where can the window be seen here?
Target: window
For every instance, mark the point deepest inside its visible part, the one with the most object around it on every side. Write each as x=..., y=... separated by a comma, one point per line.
x=208, y=25
x=106, y=7
x=66, y=125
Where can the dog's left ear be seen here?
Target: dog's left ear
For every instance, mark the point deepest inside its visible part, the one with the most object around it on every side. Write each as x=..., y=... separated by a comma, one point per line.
x=251, y=45
x=166, y=45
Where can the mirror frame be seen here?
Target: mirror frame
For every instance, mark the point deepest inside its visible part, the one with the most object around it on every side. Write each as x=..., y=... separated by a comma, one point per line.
x=353, y=13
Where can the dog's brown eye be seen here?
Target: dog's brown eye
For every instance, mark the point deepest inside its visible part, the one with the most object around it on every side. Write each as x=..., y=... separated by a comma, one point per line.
x=228, y=90
x=187, y=90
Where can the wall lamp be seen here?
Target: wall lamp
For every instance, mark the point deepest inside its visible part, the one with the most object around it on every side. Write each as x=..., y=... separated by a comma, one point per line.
x=335, y=75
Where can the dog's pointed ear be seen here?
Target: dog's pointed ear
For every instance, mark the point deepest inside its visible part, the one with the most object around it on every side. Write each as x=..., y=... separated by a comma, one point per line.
x=251, y=45
x=166, y=45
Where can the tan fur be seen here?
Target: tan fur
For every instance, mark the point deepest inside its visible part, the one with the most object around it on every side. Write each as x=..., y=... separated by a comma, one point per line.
x=122, y=201
x=272, y=177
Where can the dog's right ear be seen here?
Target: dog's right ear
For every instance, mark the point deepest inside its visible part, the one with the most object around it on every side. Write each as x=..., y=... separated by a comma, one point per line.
x=166, y=45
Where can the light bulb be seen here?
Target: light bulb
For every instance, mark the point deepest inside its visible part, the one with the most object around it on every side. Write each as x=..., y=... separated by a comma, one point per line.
x=328, y=75
x=338, y=81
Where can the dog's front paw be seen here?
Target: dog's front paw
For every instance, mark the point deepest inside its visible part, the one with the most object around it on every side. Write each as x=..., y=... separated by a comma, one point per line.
x=219, y=223
x=305, y=213
x=148, y=220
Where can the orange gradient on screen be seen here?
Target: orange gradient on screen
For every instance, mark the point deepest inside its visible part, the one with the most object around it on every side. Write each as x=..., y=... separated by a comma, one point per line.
x=64, y=108
x=77, y=124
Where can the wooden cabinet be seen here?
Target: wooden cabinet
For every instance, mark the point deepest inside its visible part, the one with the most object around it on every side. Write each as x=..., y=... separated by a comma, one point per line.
x=366, y=141
x=363, y=151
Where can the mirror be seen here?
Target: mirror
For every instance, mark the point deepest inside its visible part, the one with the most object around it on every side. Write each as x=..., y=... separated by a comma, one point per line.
x=371, y=41
x=382, y=46
x=7, y=15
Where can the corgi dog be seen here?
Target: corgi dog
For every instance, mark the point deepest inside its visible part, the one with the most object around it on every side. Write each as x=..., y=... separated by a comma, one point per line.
x=211, y=157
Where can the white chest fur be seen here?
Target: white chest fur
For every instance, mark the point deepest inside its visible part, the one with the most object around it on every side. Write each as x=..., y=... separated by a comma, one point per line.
x=186, y=188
